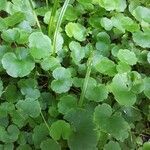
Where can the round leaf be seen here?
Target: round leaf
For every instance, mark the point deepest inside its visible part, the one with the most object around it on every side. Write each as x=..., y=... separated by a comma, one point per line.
x=18, y=67
x=40, y=45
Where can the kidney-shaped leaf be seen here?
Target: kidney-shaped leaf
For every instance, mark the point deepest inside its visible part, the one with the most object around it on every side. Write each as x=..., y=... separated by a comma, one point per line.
x=18, y=65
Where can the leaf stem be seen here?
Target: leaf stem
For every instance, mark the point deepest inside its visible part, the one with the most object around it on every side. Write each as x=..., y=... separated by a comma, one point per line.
x=47, y=3
x=45, y=121
x=63, y=10
x=86, y=80
x=35, y=15
x=52, y=16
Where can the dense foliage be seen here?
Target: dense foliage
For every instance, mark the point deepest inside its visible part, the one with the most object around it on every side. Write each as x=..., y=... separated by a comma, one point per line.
x=75, y=76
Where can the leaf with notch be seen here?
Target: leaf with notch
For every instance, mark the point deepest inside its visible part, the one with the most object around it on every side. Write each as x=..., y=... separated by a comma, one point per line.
x=18, y=65
x=60, y=129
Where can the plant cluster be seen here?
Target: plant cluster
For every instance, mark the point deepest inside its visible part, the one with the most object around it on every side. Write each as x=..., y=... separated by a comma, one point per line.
x=74, y=74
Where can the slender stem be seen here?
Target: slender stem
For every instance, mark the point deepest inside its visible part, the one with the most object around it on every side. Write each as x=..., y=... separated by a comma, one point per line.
x=47, y=3
x=45, y=121
x=35, y=15
x=51, y=20
x=63, y=10
x=86, y=80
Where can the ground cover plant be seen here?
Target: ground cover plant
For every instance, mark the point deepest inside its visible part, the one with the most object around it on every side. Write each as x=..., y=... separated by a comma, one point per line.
x=74, y=74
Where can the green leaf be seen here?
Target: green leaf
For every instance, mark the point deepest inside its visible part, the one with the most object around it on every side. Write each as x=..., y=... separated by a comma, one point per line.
x=30, y=107
x=61, y=86
x=10, y=35
x=23, y=36
x=136, y=82
x=50, y=63
x=11, y=94
x=3, y=25
x=97, y=93
x=8, y=146
x=142, y=38
x=29, y=88
x=3, y=4
x=84, y=1
x=71, y=13
x=24, y=147
x=18, y=65
x=46, y=17
x=123, y=67
x=14, y=19
x=121, y=88
x=103, y=43
x=85, y=136
x=112, y=146
x=49, y=143
x=106, y=66
x=77, y=52
x=118, y=5
x=6, y=108
x=40, y=45
x=25, y=7
x=106, y=23
x=127, y=56
x=146, y=146
x=66, y=103
x=104, y=117
x=76, y=30
x=147, y=87
x=11, y=135
x=61, y=73
x=78, y=82
x=53, y=111
x=123, y=23
x=60, y=129
x=132, y=114
x=142, y=14
x=19, y=118
x=63, y=80
x=40, y=133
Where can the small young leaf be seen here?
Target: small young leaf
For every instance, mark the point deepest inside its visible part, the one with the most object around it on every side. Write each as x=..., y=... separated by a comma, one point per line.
x=142, y=14
x=118, y=5
x=61, y=86
x=60, y=129
x=50, y=63
x=76, y=30
x=142, y=38
x=77, y=52
x=66, y=103
x=127, y=56
x=106, y=66
x=40, y=45
x=29, y=88
x=121, y=88
x=10, y=35
x=30, y=107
